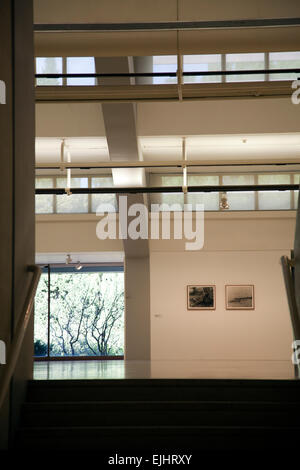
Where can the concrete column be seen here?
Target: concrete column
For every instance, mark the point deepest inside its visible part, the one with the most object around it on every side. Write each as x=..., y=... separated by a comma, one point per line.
x=16, y=192
x=142, y=65
x=137, y=308
x=121, y=134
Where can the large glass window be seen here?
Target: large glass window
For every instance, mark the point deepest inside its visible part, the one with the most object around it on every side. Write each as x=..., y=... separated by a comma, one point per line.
x=84, y=310
x=44, y=203
x=210, y=200
x=166, y=198
x=191, y=63
x=74, y=203
x=49, y=65
x=81, y=65
x=164, y=63
x=268, y=200
x=245, y=62
x=284, y=60
x=240, y=201
x=107, y=200
x=202, y=63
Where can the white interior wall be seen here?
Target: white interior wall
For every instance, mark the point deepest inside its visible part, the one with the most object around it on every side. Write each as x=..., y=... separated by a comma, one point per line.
x=220, y=334
x=239, y=248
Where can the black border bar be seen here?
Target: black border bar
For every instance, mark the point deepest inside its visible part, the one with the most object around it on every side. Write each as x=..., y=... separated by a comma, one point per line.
x=167, y=74
x=172, y=189
x=168, y=25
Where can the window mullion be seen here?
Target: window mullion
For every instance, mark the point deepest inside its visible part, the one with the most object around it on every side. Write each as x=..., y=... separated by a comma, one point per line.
x=64, y=68
x=267, y=65
x=223, y=67
x=54, y=196
x=256, y=206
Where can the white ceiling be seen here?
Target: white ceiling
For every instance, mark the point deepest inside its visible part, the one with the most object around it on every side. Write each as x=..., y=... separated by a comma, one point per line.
x=164, y=148
x=223, y=147
x=92, y=149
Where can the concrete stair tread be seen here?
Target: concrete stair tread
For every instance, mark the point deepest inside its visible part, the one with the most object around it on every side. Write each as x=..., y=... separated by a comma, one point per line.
x=160, y=403
x=62, y=429
x=90, y=414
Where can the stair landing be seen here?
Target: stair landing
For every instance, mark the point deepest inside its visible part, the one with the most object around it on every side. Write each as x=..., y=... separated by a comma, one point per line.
x=205, y=369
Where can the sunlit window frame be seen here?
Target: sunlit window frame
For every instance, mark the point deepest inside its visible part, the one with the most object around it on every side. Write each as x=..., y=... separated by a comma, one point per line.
x=293, y=177
x=223, y=66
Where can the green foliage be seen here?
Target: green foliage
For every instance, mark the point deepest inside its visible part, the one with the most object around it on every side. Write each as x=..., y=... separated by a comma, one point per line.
x=40, y=348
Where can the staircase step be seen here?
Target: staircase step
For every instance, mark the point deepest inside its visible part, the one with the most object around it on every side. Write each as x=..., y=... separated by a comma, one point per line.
x=111, y=413
x=158, y=437
x=152, y=414
x=163, y=390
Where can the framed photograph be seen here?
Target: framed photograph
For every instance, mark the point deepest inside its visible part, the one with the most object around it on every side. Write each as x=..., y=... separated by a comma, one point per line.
x=239, y=297
x=201, y=297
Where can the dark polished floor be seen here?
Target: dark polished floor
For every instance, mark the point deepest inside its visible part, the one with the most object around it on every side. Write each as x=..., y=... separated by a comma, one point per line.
x=118, y=369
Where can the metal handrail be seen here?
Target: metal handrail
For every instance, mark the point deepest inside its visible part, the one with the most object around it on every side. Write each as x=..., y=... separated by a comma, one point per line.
x=289, y=280
x=18, y=338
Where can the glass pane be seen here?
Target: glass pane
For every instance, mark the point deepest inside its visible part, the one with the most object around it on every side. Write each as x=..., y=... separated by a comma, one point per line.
x=41, y=318
x=284, y=60
x=87, y=314
x=81, y=65
x=103, y=182
x=210, y=200
x=272, y=200
x=241, y=201
x=245, y=62
x=166, y=198
x=203, y=180
x=75, y=203
x=49, y=65
x=44, y=203
x=274, y=179
x=164, y=63
x=203, y=63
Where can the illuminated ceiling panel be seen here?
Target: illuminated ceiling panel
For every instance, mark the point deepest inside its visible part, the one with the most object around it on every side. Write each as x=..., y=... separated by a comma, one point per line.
x=91, y=149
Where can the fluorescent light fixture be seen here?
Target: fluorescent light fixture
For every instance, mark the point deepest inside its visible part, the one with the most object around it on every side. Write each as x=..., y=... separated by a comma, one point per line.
x=128, y=177
x=47, y=149
x=221, y=147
